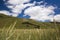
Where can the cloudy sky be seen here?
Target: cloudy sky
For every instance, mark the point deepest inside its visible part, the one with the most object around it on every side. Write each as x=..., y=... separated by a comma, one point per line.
x=40, y=10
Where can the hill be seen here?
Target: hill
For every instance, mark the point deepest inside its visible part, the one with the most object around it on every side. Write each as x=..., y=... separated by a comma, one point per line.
x=22, y=23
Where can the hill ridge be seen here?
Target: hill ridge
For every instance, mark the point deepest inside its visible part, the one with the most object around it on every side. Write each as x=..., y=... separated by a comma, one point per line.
x=24, y=23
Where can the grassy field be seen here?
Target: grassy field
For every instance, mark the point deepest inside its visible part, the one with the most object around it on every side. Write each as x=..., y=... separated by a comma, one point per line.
x=11, y=33
x=30, y=34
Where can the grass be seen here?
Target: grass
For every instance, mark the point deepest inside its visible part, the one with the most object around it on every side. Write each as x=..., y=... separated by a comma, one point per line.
x=30, y=34
x=11, y=33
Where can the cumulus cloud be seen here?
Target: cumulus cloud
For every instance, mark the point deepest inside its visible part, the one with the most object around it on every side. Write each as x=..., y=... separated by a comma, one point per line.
x=40, y=12
x=17, y=2
x=57, y=18
x=5, y=12
x=17, y=6
x=38, y=2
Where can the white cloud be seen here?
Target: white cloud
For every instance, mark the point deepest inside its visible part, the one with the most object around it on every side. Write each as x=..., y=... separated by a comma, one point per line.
x=5, y=12
x=57, y=18
x=17, y=2
x=17, y=6
x=38, y=2
x=40, y=12
x=14, y=15
x=8, y=13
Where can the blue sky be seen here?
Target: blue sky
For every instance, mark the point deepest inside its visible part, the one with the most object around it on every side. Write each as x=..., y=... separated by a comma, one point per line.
x=5, y=6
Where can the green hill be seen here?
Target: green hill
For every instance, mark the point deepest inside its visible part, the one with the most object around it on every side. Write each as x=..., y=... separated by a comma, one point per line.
x=6, y=21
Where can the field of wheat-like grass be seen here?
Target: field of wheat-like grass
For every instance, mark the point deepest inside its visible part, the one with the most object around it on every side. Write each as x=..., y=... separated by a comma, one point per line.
x=29, y=34
x=12, y=33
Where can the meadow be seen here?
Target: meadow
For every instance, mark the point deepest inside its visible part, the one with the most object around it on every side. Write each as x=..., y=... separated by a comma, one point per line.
x=12, y=33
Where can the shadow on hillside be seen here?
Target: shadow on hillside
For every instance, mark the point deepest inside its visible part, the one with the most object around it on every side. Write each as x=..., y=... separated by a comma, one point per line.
x=34, y=25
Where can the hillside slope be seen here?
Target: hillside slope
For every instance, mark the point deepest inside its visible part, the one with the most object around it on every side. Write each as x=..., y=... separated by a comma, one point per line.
x=6, y=21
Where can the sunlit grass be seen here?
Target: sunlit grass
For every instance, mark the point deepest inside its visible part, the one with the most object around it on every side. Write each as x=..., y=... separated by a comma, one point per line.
x=12, y=33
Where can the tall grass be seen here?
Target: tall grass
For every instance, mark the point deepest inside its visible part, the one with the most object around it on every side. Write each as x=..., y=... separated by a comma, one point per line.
x=12, y=33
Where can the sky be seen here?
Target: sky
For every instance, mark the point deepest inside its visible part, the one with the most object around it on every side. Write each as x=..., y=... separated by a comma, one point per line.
x=39, y=10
